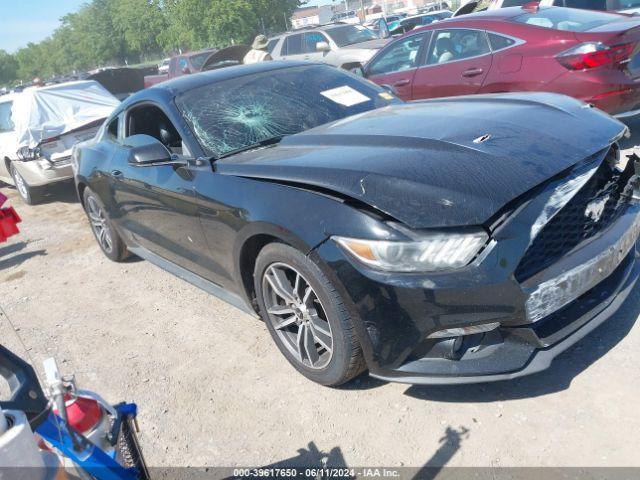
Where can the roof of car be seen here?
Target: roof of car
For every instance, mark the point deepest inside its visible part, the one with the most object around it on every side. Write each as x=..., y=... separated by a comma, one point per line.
x=500, y=13
x=425, y=14
x=324, y=26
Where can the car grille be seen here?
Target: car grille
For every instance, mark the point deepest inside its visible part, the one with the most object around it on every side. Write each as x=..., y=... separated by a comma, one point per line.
x=572, y=225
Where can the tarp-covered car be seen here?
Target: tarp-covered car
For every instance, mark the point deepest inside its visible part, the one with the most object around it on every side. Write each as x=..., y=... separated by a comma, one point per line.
x=38, y=128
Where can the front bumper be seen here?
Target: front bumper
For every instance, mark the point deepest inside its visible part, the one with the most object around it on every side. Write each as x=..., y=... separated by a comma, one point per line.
x=42, y=172
x=517, y=352
x=398, y=312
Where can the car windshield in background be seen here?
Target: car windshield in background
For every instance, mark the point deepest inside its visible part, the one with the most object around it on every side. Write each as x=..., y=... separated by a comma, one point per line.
x=567, y=19
x=586, y=4
x=237, y=114
x=198, y=60
x=626, y=4
x=350, y=34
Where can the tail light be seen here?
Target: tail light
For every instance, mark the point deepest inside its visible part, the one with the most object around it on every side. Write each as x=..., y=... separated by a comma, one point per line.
x=595, y=54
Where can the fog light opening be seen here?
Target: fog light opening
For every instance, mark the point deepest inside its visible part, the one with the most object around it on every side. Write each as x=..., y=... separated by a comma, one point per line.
x=462, y=331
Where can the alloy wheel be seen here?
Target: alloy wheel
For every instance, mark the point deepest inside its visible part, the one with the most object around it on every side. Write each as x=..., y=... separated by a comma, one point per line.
x=21, y=185
x=99, y=224
x=297, y=315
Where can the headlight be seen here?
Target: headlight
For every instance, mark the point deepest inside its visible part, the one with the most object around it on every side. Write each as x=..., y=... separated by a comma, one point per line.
x=429, y=254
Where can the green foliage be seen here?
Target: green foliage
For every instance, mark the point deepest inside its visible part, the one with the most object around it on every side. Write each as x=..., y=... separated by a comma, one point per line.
x=8, y=68
x=117, y=32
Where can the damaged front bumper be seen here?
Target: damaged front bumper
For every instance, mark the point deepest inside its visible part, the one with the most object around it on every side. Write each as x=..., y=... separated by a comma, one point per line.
x=539, y=316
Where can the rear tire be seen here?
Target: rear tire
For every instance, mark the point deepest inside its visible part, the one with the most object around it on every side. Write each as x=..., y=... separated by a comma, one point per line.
x=106, y=235
x=311, y=325
x=29, y=195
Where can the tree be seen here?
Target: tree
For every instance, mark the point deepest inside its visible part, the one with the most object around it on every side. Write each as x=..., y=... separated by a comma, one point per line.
x=8, y=68
x=113, y=32
x=140, y=23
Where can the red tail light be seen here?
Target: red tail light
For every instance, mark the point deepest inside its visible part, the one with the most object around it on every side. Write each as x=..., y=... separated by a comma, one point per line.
x=595, y=54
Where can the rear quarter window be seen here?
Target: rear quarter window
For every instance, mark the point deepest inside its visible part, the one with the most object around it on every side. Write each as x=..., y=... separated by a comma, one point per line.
x=499, y=42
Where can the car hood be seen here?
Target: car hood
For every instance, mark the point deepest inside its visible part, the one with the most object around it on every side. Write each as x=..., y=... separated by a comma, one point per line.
x=424, y=163
x=370, y=44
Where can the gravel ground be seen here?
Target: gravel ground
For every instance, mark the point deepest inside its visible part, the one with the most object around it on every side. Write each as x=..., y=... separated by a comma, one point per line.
x=213, y=390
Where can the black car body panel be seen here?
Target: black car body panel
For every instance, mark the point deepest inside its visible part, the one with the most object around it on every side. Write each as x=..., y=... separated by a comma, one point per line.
x=383, y=175
x=400, y=158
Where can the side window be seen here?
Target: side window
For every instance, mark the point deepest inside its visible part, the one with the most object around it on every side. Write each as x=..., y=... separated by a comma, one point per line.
x=401, y=55
x=427, y=20
x=293, y=45
x=6, y=123
x=311, y=39
x=410, y=24
x=271, y=46
x=182, y=65
x=151, y=120
x=112, y=129
x=457, y=44
x=498, y=42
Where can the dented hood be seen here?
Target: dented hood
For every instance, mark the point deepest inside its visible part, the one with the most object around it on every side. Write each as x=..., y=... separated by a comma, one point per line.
x=424, y=163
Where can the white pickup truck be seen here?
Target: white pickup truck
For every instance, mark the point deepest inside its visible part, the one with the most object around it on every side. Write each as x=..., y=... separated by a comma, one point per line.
x=39, y=127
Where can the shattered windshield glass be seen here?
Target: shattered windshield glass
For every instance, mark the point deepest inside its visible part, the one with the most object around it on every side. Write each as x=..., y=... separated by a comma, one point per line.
x=239, y=113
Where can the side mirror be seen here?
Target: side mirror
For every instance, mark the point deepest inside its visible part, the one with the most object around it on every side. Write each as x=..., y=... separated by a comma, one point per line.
x=186, y=71
x=323, y=47
x=390, y=89
x=144, y=151
x=383, y=28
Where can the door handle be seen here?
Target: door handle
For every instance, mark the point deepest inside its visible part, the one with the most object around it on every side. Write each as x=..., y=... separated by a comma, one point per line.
x=116, y=173
x=402, y=83
x=472, y=72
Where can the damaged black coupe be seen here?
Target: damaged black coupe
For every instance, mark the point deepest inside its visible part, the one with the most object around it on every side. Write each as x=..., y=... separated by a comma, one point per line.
x=455, y=240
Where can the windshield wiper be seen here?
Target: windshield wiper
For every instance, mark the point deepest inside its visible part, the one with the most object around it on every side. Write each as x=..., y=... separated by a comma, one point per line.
x=263, y=143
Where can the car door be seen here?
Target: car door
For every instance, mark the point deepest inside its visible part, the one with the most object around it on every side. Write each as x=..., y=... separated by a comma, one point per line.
x=293, y=47
x=156, y=204
x=395, y=66
x=457, y=63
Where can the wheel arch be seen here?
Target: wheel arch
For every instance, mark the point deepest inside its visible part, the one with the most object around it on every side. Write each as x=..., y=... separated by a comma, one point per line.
x=251, y=241
x=81, y=186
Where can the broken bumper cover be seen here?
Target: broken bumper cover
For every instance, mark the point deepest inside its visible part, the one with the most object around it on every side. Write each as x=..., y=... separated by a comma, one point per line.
x=43, y=172
x=398, y=312
x=517, y=352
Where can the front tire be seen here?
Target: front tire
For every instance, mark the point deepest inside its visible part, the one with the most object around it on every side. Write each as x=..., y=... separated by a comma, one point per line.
x=29, y=195
x=306, y=316
x=106, y=235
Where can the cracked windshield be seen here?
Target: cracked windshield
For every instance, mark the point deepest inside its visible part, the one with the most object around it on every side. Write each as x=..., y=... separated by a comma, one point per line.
x=236, y=114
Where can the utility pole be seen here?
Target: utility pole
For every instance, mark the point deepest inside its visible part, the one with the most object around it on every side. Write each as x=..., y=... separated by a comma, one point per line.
x=364, y=14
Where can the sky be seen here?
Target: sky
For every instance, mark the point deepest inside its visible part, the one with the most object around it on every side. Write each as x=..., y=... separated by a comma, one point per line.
x=24, y=21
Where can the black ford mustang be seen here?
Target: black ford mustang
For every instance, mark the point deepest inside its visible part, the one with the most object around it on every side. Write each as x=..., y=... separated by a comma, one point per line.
x=448, y=241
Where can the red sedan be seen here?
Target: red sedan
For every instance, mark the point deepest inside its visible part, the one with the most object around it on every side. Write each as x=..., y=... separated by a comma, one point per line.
x=593, y=56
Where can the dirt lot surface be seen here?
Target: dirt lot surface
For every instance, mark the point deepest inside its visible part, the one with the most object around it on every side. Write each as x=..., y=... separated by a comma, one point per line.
x=214, y=390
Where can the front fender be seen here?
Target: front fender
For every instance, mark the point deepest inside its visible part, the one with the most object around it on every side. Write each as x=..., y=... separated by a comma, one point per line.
x=234, y=210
